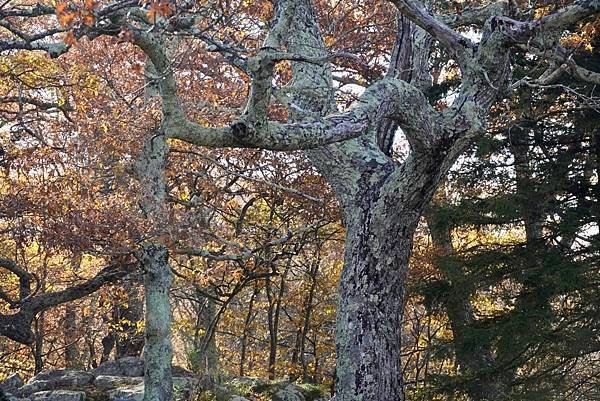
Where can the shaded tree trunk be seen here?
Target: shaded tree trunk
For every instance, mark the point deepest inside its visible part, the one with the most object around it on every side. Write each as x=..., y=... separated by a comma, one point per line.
x=205, y=356
x=475, y=359
x=245, y=332
x=129, y=342
x=71, y=336
x=38, y=345
x=273, y=314
x=108, y=343
x=308, y=306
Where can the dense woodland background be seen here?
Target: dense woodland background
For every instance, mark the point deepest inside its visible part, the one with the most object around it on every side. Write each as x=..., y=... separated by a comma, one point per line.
x=504, y=278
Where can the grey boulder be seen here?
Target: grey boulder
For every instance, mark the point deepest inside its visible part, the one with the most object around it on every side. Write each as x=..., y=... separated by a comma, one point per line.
x=54, y=380
x=58, y=395
x=13, y=381
x=130, y=393
x=129, y=366
x=289, y=393
x=105, y=382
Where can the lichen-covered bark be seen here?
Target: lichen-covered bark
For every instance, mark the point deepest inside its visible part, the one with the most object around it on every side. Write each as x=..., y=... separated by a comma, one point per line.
x=369, y=314
x=158, y=352
x=153, y=257
x=381, y=208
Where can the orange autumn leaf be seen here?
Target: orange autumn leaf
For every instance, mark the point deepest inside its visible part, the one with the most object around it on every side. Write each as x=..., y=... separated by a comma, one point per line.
x=61, y=8
x=70, y=38
x=66, y=19
x=89, y=20
x=159, y=8
x=137, y=68
x=90, y=4
x=151, y=13
x=164, y=8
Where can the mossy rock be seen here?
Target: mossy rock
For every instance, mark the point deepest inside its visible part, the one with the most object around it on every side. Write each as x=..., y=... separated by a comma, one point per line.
x=314, y=392
x=94, y=394
x=247, y=385
x=252, y=388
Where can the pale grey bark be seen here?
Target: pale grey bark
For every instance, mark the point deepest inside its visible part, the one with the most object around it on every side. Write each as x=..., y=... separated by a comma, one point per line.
x=158, y=352
x=382, y=200
x=153, y=257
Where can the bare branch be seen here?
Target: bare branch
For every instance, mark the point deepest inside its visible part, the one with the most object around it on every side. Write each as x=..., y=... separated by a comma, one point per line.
x=476, y=15
x=458, y=46
x=24, y=276
x=17, y=326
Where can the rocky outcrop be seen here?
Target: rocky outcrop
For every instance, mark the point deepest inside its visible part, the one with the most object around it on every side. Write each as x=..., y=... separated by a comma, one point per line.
x=11, y=383
x=58, y=395
x=123, y=380
x=130, y=393
x=112, y=382
x=290, y=392
x=120, y=379
x=53, y=380
x=129, y=367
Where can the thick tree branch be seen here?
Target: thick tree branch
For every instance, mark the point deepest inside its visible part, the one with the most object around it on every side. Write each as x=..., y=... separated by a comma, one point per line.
x=538, y=31
x=109, y=274
x=562, y=62
x=17, y=326
x=476, y=15
x=388, y=98
x=458, y=46
x=24, y=276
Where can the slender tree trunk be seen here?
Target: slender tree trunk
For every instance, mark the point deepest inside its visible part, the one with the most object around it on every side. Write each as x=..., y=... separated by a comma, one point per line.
x=273, y=314
x=71, y=335
x=70, y=330
x=158, y=383
x=245, y=332
x=296, y=352
x=205, y=354
x=212, y=352
x=153, y=257
x=314, y=270
x=38, y=344
x=129, y=342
